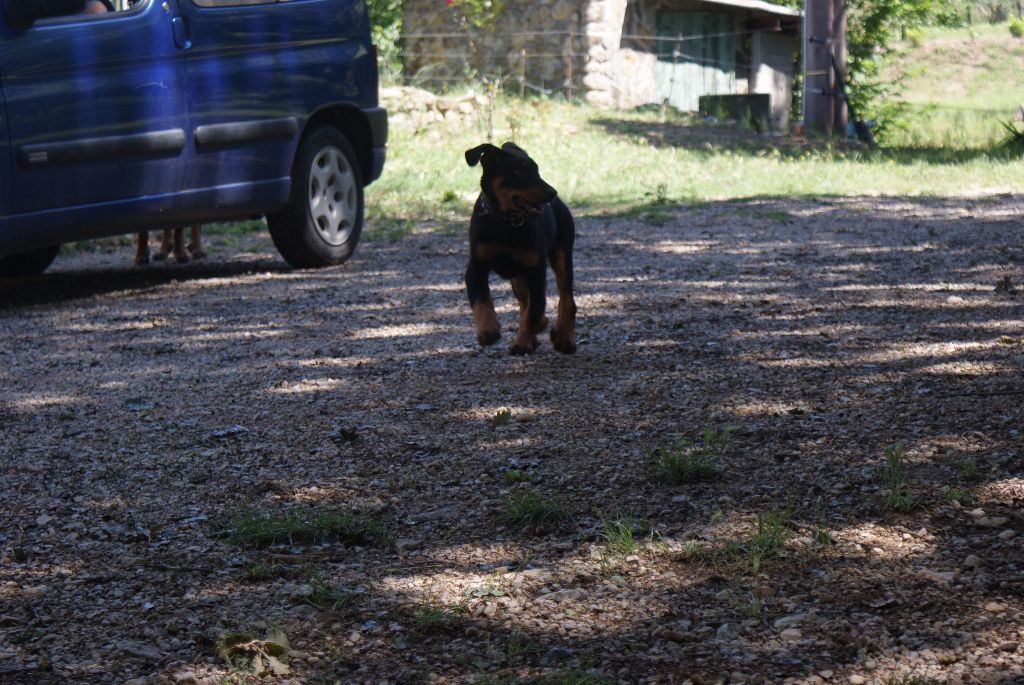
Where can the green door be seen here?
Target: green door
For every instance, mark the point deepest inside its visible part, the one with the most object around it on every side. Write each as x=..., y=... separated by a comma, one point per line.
x=696, y=56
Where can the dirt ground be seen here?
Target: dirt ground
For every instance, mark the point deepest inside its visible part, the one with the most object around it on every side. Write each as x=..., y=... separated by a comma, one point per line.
x=143, y=409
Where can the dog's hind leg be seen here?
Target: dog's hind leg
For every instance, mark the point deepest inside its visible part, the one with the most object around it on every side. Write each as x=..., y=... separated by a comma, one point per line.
x=142, y=248
x=530, y=324
x=195, y=245
x=563, y=335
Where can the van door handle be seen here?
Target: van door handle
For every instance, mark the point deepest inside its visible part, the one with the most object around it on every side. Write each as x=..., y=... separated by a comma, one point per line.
x=180, y=30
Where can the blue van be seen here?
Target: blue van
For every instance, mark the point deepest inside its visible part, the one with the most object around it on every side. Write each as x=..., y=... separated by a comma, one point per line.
x=164, y=113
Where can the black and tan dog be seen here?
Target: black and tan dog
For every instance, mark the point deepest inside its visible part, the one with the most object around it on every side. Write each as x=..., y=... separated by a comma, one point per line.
x=173, y=240
x=519, y=226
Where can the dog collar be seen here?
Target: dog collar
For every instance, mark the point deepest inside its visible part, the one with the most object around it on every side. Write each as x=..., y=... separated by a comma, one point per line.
x=484, y=207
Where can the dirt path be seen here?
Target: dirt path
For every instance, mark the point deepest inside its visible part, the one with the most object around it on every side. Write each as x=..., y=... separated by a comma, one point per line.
x=141, y=409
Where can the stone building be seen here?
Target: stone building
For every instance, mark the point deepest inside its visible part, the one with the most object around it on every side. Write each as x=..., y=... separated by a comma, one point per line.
x=614, y=53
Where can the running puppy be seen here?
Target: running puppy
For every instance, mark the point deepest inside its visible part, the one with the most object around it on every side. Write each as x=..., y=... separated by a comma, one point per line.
x=519, y=226
x=168, y=244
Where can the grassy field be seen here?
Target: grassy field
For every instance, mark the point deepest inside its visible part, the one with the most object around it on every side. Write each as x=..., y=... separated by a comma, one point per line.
x=960, y=84
x=615, y=162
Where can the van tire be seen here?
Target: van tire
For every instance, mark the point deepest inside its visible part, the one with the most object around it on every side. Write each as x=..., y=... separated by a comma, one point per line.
x=321, y=224
x=31, y=263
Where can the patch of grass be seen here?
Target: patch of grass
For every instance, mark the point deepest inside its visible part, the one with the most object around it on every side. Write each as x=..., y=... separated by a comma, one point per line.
x=327, y=598
x=516, y=476
x=766, y=541
x=769, y=539
x=529, y=508
x=429, y=618
x=501, y=417
x=256, y=529
x=968, y=469
x=259, y=571
x=957, y=494
x=619, y=534
x=685, y=461
x=900, y=499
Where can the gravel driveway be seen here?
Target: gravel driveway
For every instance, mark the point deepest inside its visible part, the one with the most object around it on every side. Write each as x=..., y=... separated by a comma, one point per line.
x=146, y=412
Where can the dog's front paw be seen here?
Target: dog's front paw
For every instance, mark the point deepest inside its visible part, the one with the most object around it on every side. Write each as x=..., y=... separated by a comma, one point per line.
x=197, y=253
x=564, y=343
x=488, y=336
x=525, y=343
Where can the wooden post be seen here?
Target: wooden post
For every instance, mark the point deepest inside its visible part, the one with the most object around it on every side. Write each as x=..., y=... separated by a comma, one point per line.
x=568, y=68
x=522, y=73
x=819, y=84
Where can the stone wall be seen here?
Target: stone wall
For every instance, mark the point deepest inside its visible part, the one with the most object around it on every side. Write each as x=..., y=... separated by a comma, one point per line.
x=438, y=49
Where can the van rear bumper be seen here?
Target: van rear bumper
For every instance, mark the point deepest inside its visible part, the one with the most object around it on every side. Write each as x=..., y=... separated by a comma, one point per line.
x=377, y=117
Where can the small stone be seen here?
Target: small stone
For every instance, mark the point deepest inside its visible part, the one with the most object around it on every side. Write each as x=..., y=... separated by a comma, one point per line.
x=671, y=635
x=825, y=674
x=407, y=544
x=1006, y=534
x=857, y=679
x=304, y=590
x=790, y=621
x=995, y=607
x=1008, y=647
x=991, y=521
x=971, y=562
x=43, y=520
x=791, y=634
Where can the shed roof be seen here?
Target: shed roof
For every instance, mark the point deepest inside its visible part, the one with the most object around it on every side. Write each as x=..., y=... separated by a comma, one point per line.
x=758, y=6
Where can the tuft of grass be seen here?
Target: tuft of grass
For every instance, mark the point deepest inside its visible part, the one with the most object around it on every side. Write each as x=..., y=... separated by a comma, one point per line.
x=766, y=541
x=687, y=462
x=619, y=534
x=516, y=476
x=968, y=469
x=900, y=499
x=529, y=508
x=769, y=539
x=430, y=618
x=259, y=528
x=327, y=598
x=501, y=417
x=258, y=571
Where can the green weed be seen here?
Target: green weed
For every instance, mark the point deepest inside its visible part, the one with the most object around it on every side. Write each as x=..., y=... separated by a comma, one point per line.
x=516, y=476
x=255, y=528
x=900, y=499
x=687, y=462
x=430, y=618
x=529, y=508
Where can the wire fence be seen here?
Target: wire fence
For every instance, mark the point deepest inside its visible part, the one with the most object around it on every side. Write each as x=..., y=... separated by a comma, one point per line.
x=548, y=62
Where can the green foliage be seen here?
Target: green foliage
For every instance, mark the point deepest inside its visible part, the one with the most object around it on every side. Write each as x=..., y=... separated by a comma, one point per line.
x=528, y=508
x=516, y=476
x=686, y=462
x=479, y=14
x=872, y=26
x=385, y=31
x=429, y=618
x=900, y=499
x=618, y=534
x=1017, y=27
x=1013, y=143
x=255, y=528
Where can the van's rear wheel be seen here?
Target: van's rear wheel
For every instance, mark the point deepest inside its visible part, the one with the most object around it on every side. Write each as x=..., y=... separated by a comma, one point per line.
x=30, y=263
x=323, y=219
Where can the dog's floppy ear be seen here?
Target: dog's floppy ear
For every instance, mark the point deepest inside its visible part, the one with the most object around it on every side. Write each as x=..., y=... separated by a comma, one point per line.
x=514, y=149
x=473, y=155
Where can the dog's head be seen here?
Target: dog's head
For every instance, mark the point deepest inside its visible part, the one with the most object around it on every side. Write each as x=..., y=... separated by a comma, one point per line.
x=511, y=179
